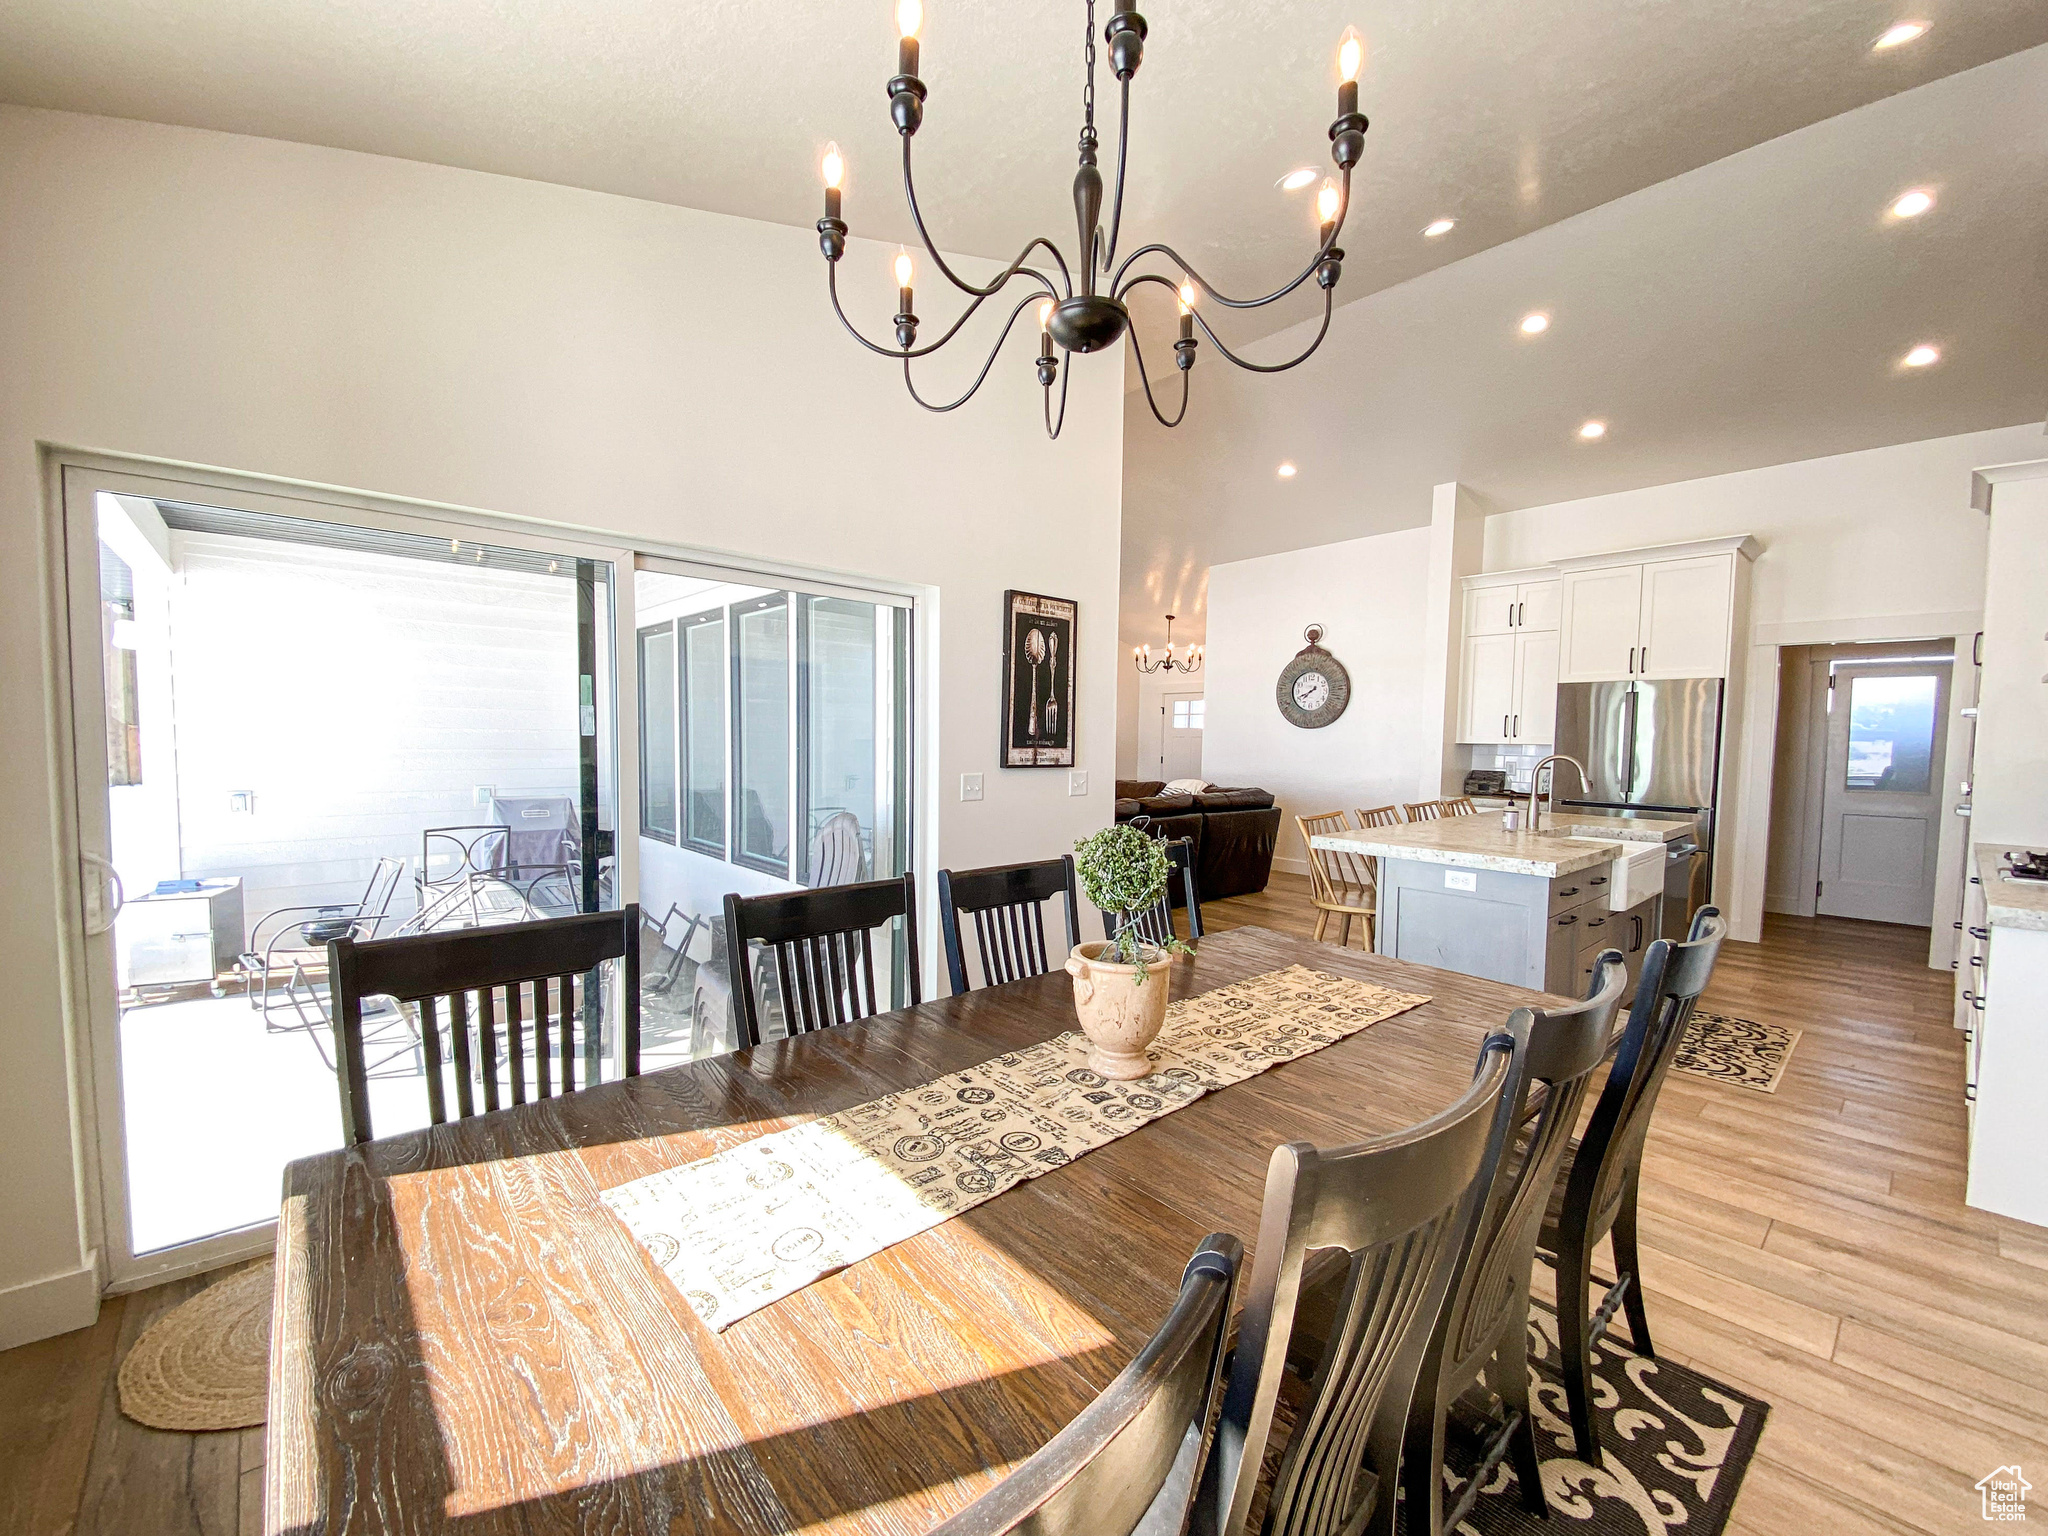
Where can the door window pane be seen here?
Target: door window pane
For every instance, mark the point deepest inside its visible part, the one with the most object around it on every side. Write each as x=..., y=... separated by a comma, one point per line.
x=704, y=733
x=1891, y=733
x=658, y=732
x=840, y=716
x=761, y=735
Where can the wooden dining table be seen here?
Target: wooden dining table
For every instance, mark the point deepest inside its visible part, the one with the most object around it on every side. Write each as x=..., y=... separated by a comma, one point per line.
x=466, y=1340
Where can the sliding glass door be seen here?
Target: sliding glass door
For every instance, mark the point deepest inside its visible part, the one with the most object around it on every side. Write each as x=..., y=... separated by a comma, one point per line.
x=295, y=720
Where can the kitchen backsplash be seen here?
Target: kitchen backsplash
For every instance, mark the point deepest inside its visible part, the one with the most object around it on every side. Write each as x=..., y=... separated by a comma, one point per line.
x=1518, y=762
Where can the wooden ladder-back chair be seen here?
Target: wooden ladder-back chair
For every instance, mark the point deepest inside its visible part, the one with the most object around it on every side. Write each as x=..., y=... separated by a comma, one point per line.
x=1597, y=1196
x=819, y=946
x=1340, y=885
x=1155, y=923
x=1461, y=805
x=423, y=968
x=1007, y=907
x=1424, y=810
x=1486, y=1326
x=1129, y=1463
x=1401, y=1208
x=1379, y=816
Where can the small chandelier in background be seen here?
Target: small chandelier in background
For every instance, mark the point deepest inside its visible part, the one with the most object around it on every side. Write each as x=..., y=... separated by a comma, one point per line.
x=1141, y=657
x=1070, y=310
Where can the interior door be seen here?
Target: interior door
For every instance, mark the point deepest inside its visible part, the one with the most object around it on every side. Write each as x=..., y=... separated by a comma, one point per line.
x=1180, y=734
x=1602, y=609
x=1882, y=791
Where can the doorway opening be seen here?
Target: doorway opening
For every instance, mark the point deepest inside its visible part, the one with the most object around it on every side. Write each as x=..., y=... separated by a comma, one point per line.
x=1175, y=744
x=1859, y=783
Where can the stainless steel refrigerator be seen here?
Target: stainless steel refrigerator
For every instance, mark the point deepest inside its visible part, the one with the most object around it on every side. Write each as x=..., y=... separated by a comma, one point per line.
x=1650, y=748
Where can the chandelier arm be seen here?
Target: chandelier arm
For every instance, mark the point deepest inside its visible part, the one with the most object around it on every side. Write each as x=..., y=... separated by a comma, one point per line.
x=1123, y=140
x=1052, y=427
x=1329, y=304
x=917, y=218
x=832, y=284
x=1209, y=291
x=1145, y=379
x=1028, y=300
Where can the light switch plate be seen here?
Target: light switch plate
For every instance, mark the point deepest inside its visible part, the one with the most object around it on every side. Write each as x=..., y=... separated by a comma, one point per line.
x=484, y=794
x=1077, y=782
x=970, y=786
x=1461, y=880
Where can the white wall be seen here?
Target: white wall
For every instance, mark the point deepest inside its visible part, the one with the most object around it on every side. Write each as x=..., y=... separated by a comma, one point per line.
x=2010, y=806
x=1370, y=596
x=530, y=350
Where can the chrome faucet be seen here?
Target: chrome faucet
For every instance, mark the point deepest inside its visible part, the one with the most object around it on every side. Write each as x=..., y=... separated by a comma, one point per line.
x=1535, y=778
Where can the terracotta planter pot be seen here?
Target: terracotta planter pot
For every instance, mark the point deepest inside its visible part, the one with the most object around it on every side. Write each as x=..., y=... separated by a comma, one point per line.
x=1119, y=1016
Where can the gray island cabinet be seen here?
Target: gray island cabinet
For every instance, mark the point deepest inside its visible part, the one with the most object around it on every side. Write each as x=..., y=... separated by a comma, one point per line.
x=1529, y=909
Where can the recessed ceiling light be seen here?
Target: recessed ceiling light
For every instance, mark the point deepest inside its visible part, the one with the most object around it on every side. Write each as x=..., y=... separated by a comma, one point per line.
x=1535, y=323
x=1922, y=356
x=1900, y=32
x=1913, y=204
x=1440, y=227
x=1592, y=430
x=1286, y=471
x=1294, y=181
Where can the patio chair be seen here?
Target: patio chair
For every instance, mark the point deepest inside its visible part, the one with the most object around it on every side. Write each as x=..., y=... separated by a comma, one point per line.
x=304, y=933
x=836, y=856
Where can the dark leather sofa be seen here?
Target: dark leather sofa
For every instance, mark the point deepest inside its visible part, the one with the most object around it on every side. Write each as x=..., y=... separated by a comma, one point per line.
x=1234, y=831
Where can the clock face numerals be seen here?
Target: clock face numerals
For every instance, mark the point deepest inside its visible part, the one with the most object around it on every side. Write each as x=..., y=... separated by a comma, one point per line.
x=1311, y=690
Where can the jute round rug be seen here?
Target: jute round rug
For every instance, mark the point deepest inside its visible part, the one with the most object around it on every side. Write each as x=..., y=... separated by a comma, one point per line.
x=206, y=1363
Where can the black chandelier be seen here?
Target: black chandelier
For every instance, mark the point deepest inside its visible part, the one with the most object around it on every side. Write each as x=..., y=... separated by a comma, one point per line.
x=1142, y=658
x=1079, y=318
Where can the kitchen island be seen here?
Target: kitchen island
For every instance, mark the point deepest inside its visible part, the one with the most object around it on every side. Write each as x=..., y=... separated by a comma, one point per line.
x=1529, y=908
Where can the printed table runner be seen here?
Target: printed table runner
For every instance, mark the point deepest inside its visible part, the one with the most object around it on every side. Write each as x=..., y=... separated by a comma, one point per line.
x=757, y=1222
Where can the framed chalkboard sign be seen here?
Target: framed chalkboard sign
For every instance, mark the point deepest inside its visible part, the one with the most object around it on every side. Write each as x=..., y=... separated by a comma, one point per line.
x=1038, y=681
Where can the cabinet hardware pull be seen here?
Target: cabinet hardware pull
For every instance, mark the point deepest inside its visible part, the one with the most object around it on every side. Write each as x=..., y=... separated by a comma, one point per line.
x=1572, y=892
x=1521, y=613
x=1977, y=1003
x=1517, y=731
x=1980, y=933
x=1504, y=726
x=1975, y=960
x=1631, y=661
x=1572, y=917
x=1511, y=615
x=1597, y=880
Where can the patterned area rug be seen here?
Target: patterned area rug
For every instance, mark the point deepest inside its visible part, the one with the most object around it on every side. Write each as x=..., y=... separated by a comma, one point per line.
x=1676, y=1447
x=1738, y=1051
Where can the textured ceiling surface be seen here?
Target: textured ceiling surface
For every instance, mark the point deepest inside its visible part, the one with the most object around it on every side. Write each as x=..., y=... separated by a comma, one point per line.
x=1505, y=114
x=1754, y=311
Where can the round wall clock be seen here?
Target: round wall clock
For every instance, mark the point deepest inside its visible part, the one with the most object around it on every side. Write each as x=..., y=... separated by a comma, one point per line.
x=1314, y=687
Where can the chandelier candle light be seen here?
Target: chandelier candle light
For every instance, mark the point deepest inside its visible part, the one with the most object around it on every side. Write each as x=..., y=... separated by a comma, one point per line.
x=1141, y=656
x=1092, y=313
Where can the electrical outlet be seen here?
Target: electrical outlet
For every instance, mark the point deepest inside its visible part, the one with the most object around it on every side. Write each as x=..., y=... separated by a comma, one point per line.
x=970, y=786
x=484, y=794
x=1077, y=782
x=241, y=802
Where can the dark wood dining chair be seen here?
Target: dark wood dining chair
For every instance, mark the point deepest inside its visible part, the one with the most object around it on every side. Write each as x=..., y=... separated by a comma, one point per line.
x=552, y=957
x=1129, y=1463
x=1155, y=923
x=1596, y=1197
x=818, y=948
x=1400, y=1208
x=1485, y=1328
x=1006, y=904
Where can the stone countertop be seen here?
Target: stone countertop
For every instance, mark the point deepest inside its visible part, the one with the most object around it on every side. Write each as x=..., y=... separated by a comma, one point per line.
x=2010, y=903
x=1477, y=842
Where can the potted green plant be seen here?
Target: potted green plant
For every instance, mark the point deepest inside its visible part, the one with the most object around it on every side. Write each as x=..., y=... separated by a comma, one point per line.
x=1120, y=1009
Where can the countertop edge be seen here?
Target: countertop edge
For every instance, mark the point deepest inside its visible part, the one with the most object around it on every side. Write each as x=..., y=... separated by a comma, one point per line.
x=2009, y=903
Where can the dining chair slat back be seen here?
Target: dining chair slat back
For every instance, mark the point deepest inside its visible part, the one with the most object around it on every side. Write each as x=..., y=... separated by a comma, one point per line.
x=817, y=950
x=1341, y=884
x=1130, y=1462
x=551, y=959
x=1485, y=1328
x=1460, y=805
x=1597, y=1196
x=1401, y=1207
x=1006, y=905
x=1423, y=810
x=1380, y=816
x=1155, y=923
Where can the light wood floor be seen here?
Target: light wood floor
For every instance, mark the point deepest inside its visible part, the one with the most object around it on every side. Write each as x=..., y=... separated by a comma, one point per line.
x=1809, y=1246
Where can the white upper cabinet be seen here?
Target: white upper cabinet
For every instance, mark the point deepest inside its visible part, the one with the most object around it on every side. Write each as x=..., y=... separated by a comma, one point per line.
x=1602, y=617
x=1538, y=604
x=1497, y=607
x=1688, y=606
x=1487, y=688
x=1664, y=613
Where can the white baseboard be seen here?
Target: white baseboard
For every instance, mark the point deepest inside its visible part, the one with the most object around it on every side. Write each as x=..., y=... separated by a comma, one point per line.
x=41, y=1309
x=1291, y=866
